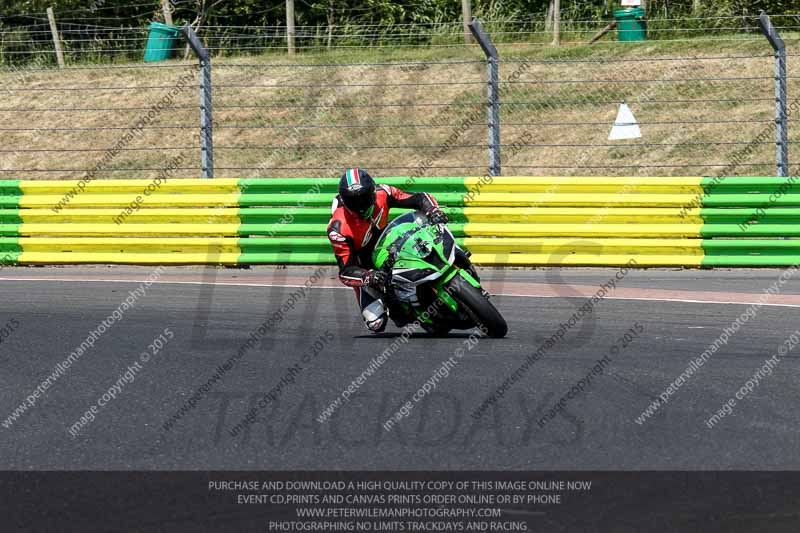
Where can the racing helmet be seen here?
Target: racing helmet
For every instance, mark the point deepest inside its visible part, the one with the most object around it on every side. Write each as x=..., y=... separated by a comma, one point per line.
x=357, y=191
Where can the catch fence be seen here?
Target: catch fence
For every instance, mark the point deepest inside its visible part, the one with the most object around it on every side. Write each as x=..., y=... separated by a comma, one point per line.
x=714, y=106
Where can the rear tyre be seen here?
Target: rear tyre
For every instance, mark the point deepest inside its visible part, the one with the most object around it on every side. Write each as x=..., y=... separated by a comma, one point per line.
x=478, y=307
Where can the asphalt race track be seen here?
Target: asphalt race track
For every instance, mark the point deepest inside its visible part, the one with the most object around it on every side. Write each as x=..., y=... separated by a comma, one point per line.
x=211, y=313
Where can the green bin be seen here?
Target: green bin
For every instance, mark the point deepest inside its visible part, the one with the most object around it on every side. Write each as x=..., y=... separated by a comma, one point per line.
x=160, y=42
x=631, y=24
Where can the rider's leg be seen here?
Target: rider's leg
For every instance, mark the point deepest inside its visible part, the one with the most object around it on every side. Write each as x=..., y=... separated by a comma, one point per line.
x=370, y=301
x=373, y=310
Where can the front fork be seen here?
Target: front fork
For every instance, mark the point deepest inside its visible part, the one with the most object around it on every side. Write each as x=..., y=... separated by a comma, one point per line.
x=440, y=287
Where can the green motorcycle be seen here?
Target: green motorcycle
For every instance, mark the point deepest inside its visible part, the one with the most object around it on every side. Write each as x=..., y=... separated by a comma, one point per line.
x=425, y=285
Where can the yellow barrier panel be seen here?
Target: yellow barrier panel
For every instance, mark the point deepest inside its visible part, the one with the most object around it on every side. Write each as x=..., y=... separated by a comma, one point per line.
x=512, y=245
x=78, y=230
x=579, y=259
x=219, y=215
x=584, y=215
x=585, y=184
x=157, y=199
x=582, y=230
x=183, y=186
x=127, y=258
x=195, y=250
x=582, y=199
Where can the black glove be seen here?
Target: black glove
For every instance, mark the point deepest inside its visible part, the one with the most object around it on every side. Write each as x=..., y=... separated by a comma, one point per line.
x=375, y=279
x=437, y=216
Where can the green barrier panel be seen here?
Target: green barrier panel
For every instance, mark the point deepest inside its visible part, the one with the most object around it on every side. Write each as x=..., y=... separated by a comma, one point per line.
x=289, y=200
x=8, y=244
x=745, y=184
x=305, y=244
x=751, y=247
x=10, y=193
x=751, y=253
x=753, y=230
x=283, y=230
x=10, y=216
x=9, y=258
x=750, y=200
x=281, y=215
x=10, y=188
x=773, y=215
x=9, y=202
x=288, y=258
x=9, y=251
x=10, y=230
x=751, y=261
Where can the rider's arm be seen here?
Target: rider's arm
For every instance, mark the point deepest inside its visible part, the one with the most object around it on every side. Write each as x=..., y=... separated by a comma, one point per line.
x=420, y=201
x=349, y=272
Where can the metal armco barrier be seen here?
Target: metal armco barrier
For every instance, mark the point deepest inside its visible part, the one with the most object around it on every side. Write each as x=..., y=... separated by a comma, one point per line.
x=595, y=221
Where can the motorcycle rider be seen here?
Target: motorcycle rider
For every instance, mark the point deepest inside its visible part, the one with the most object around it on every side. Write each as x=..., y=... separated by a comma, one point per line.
x=360, y=212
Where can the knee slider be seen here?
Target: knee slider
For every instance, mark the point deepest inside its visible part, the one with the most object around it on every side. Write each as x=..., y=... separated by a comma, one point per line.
x=377, y=325
x=375, y=316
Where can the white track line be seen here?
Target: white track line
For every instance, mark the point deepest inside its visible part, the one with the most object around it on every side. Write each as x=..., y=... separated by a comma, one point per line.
x=162, y=282
x=655, y=299
x=241, y=284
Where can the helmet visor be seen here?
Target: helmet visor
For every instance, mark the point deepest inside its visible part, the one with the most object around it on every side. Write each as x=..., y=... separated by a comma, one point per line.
x=360, y=204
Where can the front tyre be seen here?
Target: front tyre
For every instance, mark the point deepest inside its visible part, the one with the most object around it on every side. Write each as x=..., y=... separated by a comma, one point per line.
x=478, y=307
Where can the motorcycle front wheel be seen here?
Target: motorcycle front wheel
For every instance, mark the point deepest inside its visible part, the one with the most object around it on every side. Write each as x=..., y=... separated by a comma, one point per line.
x=478, y=307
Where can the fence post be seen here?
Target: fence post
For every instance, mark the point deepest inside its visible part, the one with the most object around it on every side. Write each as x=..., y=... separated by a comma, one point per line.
x=206, y=119
x=556, y=22
x=466, y=16
x=166, y=9
x=330, y=27
x=56, y=39
x=290, y=26
x=781, y=107
x=493, y=103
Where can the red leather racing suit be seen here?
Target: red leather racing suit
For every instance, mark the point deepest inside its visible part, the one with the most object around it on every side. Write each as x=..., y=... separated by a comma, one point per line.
x=353, y=238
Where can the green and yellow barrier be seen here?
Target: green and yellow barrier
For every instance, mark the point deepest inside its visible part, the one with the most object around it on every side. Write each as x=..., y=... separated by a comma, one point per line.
x=596, y=221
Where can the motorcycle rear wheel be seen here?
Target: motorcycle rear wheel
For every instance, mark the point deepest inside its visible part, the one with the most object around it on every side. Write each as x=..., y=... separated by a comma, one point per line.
x=478, y=307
